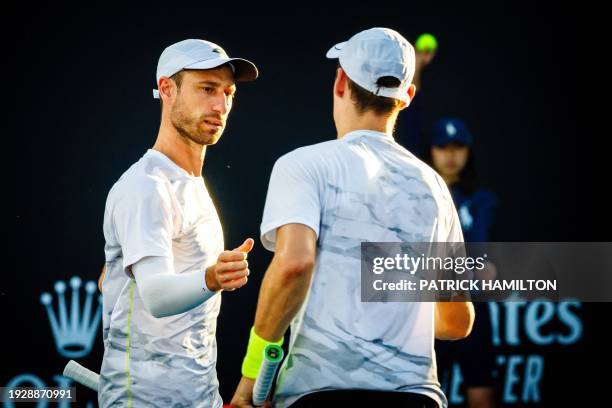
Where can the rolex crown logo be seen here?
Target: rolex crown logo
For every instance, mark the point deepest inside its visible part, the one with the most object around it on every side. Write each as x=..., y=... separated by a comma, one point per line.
x=75, y=330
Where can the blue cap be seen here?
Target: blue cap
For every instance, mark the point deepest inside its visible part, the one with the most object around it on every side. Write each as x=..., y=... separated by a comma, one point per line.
x=449, y=130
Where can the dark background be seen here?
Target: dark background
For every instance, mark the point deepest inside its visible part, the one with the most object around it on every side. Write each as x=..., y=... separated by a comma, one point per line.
x=528, y=80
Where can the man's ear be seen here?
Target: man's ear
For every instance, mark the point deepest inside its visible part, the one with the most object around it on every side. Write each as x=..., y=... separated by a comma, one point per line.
x=165, y=87
x=411, y=93
x=340, y=84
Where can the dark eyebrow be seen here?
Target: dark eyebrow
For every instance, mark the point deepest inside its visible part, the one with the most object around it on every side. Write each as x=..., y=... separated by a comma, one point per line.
x=212, y=83
x=216, y=84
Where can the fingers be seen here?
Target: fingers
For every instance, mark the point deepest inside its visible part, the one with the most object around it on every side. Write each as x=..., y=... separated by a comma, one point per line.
x=230, y=276
x=244, y=394
x=246, y=246
x=239, y=253
x=232, y=268
x=234, y=284
x=225, y=267
x=232, y=256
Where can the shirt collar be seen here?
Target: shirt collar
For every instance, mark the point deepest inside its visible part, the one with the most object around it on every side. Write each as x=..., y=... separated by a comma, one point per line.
x=176, y=167
x=365, y=132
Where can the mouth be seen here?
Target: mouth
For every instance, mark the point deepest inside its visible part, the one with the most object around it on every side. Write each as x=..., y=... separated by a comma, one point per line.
x=214, y=123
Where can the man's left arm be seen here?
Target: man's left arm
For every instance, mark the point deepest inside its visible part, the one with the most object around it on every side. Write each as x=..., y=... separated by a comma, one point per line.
x=283, y=291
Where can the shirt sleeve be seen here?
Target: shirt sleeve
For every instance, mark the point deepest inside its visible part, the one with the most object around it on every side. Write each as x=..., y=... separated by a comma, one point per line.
x=143, y=221
x=293, y=198
x=165, y=293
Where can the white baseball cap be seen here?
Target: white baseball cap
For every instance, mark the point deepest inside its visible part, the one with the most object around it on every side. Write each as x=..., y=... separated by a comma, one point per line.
x=375, y=53
x=201, y=54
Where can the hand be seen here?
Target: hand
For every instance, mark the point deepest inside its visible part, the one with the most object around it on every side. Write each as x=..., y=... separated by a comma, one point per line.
x=231, y=270
x=243, y=397
x=424, y=58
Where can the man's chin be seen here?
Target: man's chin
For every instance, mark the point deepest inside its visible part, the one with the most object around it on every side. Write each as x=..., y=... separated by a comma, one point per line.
x=207, y=139
x=212, y=139
x=215, y=138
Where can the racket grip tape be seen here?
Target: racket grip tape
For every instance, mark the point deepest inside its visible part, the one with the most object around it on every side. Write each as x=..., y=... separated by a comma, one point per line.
x=272, y=356
x=82, y=375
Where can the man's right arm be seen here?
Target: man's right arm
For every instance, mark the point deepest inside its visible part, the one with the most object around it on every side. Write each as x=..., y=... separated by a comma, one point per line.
x=454, y=319
x=166, y=293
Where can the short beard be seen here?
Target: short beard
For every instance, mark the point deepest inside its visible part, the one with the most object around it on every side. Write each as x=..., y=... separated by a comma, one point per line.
x=189, y=127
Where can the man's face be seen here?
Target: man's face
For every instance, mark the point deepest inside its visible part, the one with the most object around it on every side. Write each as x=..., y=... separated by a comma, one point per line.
x=203, y=103
x=449, y=160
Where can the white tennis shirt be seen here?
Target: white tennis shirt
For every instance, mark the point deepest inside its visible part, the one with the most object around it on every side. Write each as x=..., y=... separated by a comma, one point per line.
x=157, y=209
x=362, y=187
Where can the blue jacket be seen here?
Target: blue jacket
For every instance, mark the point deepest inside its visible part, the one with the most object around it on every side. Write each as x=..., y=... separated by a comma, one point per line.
x=476, y=212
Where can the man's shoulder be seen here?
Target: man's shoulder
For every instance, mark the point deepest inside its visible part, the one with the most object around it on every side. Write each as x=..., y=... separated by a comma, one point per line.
x=142, y=179
x=430, y=178
x=328, y=147
x=422, y=169
x=312, y=157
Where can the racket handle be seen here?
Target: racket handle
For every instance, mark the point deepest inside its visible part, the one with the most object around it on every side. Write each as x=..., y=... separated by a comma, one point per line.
x=273, y=355
x=82, y=375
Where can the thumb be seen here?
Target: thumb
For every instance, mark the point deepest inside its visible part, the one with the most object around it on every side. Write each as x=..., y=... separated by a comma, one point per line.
x=246, y=246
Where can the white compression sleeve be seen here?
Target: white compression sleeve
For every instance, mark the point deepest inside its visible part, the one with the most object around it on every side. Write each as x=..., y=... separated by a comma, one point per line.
x=165, y=293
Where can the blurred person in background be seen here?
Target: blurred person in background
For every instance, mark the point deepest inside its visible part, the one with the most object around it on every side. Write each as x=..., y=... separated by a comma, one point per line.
x=472, y=359
x=411, y=129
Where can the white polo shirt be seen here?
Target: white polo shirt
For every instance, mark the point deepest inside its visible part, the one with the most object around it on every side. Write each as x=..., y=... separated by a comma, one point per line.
x=362, y=187
x=157, y=209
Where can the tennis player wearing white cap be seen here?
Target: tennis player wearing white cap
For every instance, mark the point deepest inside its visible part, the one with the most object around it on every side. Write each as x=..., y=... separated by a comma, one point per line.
x=323, y=201
x=165, y=263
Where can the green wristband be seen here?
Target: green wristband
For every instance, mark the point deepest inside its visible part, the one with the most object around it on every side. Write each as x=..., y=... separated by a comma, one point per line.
x=255, y=354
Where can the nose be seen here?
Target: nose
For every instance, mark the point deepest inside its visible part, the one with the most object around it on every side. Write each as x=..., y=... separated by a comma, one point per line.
x=222, y=104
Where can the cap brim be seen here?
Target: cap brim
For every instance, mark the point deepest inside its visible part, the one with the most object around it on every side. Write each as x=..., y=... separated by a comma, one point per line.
x=335, y=51
x=245, y=69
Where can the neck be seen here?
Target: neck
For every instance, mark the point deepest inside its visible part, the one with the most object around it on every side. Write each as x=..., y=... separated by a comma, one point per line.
x=184, y=152
x=367, y=121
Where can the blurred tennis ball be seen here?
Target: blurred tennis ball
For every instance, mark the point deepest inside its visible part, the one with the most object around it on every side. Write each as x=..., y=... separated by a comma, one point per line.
x=426, y=42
